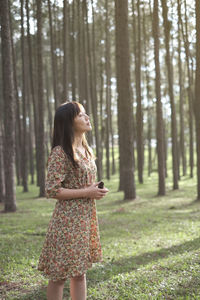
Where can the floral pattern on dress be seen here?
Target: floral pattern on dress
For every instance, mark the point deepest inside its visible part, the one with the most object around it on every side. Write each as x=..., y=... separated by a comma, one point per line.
x=72, y=241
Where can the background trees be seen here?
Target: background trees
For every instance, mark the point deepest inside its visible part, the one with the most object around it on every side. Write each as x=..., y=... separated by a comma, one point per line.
x=65, y=50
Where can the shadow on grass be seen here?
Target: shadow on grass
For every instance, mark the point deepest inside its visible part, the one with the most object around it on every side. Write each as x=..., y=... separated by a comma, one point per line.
x=128, y=264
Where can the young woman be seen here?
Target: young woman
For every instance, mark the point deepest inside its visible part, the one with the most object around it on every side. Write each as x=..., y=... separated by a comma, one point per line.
x=72, y=242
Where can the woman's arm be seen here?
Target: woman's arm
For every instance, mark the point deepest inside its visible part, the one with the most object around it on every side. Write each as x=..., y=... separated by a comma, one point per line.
x=91, y=191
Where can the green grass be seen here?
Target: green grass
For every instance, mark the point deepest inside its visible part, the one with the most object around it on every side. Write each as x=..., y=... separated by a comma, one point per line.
x=150, y=245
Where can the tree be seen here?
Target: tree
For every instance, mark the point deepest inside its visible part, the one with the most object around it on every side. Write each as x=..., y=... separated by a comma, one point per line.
x=171, y=95
x=24, y=101
x=197, y=95
x=159, y=114
x=125, y=111
x=9, y=108
x=41, y=167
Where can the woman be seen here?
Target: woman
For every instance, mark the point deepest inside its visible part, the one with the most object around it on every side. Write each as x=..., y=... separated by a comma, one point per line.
x=72, y=242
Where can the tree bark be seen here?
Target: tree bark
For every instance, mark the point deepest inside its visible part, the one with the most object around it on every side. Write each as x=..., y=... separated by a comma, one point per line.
x=53, y=59
x=159, y=113
x=197, y=95
x=24, y=105
x=9, y=108
x=125, y=111
x=41, y=149
x=171, y=95
x=182, y=138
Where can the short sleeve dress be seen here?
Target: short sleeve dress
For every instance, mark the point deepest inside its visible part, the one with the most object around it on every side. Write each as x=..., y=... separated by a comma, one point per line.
x=72, y=241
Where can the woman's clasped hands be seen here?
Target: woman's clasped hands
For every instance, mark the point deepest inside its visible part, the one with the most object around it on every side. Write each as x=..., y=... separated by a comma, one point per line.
x=96, y=193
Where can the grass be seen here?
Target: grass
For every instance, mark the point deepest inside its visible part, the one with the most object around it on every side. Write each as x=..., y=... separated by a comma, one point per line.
x=150, y=245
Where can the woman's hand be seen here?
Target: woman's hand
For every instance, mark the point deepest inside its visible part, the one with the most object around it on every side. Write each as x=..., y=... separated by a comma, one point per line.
x=94, y=192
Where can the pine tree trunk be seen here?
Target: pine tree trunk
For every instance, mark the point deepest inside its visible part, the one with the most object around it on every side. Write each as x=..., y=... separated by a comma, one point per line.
x=182, y=138
x=41, y=150
x=65, y=50
x=9, y=109
x=197, y=95
x=108, y=93
x=53, y=59
x=18, y=130
x=93, y=95
x=149, y=108
x=24, y=105
x=139, y=113
x=125, y=111
x=2, y=177
x=171, y=95
x=159, y=113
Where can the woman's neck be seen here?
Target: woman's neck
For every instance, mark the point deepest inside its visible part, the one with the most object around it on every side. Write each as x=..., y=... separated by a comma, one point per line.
x=78, y=141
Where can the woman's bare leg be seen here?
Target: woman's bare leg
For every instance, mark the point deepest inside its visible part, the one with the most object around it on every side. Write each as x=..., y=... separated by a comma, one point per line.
x=78, y=287
x=55, y=290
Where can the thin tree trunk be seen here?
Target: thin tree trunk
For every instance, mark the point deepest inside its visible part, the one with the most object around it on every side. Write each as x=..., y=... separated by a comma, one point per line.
x=159, y=113
x=197, y=95
x=108, y=92
x=53, y=59
x=32, y=90
x=149, y=108
x=2, y=177
x=9, y=108
x=24, y=104
x=73, y=52
x=182, y=138
x=65, y=50
x=139, y=113
x=125, y=111
x=171, y=95
x=41, y=149
x=93, y=95
x=18, y=130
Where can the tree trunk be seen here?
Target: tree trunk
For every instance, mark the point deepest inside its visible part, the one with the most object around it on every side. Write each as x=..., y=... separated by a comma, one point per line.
x=182, y=138
x=93, y=95
x=2, y=177
x=171, y=95
x=32, y=91
x=24, y=104
x=65, y=50
x=190, y=95
x=197, y=95
x=108, y=92
x=159, y=113
x=41, y=152
x=9, y=108
x=139, y=113
x=53, y=58
x=125, y=111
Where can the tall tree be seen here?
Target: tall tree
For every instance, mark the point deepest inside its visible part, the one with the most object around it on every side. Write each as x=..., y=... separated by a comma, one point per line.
x=159, y=113
x=41, y=152
x=139, y=112
x=53, y=58
x=171, y=94
x=9, y=108
x=108, y=92
x=125, y=110
x=24, y=102
x=65, y=50
x=180, y=69
x=197, y=95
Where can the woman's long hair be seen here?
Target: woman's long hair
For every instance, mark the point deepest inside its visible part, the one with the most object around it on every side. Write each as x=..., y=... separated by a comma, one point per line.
x=63, y=132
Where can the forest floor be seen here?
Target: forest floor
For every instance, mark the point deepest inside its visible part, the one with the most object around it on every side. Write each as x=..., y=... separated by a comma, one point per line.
x=151, y=245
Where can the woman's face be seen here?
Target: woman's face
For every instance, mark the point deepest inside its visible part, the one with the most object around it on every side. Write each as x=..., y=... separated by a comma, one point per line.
x=82, y=122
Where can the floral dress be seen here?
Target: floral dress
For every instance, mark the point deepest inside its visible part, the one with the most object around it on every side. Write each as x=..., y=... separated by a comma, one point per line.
x=72, y=241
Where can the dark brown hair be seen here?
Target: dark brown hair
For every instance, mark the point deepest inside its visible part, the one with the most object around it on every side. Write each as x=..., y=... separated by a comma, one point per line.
x=63, y=132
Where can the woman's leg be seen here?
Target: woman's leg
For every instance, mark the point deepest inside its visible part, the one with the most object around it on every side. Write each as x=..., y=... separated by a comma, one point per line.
x=55, y=290
x=78, y=287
